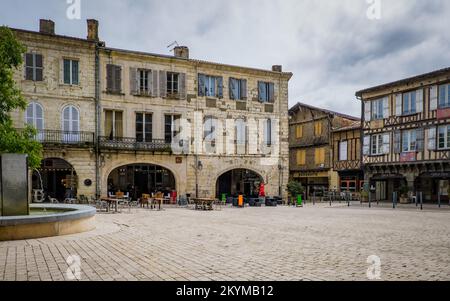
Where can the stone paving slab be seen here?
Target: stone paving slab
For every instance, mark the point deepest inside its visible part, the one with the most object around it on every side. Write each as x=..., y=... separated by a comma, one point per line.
x=311, y=243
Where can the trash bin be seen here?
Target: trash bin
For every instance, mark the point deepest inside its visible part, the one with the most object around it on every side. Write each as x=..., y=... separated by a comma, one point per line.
x=299, y=201
x=241, y=201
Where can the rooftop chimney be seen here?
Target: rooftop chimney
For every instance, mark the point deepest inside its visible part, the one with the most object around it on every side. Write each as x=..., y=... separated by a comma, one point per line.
x=277, y=68
x=92, y=28
x=46, y=26
x=181, y=52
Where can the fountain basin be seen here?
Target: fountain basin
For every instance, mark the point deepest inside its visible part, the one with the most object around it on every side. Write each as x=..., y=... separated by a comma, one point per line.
x=48, y=220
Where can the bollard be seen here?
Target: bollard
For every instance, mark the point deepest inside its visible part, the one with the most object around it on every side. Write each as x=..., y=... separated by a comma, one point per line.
x=370, y=199
x=421, y=200
x=314, y=198
x=348, y=199
x=394, y=199
x=415, y=199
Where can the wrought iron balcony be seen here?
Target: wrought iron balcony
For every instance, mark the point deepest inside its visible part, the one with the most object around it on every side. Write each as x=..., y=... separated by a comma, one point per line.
x=131, y=144
x=55, y=137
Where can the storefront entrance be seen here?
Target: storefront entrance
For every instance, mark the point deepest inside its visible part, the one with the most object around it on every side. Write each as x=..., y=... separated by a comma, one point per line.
x=239, y=181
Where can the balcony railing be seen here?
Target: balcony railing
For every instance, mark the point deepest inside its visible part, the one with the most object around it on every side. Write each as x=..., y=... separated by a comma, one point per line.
x=123, y=143
x=55, y=137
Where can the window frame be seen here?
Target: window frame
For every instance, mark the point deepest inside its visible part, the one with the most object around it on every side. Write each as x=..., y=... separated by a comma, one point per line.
x=144, y=81
x=34, y=117
x=346, y=150
x=407, y=137
x=407, y=98
x=377, y=104
x=378, y=139
x=446, y=138
x=144, y=122
x=71, y=74
x=173, y=127
x=170, y=89
x=34, y=66
x=446, y=98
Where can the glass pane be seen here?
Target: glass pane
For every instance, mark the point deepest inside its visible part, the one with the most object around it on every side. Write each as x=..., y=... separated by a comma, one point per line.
x=66, y=126
x=67, y=113
x=29, y=113
x=67, y=71
x=38, y=111
x=40, y=124
x=75, y=72
x=74, y=114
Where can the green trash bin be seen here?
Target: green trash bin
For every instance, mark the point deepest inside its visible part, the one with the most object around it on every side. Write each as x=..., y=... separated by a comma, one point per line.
x=299, y=201
x=224, y=198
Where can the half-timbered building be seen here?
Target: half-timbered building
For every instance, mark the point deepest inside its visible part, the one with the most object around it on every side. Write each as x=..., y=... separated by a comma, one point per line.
x=407, y=136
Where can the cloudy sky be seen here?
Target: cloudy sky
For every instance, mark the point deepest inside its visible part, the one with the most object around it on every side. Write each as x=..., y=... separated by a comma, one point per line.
x=332, y=46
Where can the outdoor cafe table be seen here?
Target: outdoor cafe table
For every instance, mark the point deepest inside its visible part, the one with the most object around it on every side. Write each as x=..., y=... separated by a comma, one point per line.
x=203, y=203
x=112, y=201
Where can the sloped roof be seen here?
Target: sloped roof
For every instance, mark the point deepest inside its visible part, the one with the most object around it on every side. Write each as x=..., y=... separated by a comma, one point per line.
x=353, y=126
x=334, y=113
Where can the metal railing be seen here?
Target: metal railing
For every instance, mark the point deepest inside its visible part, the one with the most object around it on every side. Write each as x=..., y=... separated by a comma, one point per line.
x=55, y=137
x=125, y=143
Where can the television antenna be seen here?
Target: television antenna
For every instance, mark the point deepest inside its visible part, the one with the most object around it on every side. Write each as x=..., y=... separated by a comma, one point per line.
x=173, y=45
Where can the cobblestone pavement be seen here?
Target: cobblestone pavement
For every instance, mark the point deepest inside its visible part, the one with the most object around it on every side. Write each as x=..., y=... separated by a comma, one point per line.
x=311, y=243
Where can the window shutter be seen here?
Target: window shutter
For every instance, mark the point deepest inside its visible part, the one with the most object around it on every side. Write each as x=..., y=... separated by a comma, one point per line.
x=243, y=89
x=201, y=85
x=220, y=87
x=155, y=83
x=367, y=107
x=386, y=107
x=397, y=142
x=420, y=139
x=419, y=101
x=366, y=146
x=163, y=84
x=109, y=78
x=386, y=143
x=117, y=79
x=261, y=91
x=433, y=98
x=431, y=139
x=271, y=92
x=299, y=131
x=28, y=69
x=398, y=105
x=133, y=81
x=182, y=85
x=232, y=88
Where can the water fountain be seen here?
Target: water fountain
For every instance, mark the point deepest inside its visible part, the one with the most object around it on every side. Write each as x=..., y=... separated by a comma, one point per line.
x=21, y=220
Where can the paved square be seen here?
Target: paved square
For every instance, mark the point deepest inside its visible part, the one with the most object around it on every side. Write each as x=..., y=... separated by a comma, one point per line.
x=311, y=243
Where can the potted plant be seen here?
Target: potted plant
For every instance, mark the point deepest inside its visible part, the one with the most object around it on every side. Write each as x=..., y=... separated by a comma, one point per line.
x=403, y=192
x=296, y=190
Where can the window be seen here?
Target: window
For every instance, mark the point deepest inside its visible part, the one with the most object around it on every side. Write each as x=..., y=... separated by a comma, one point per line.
x=34, y=116
x=70, y=72
x=210, y=86
x=172, y=83
x=113, y=79
x=409, y=103
x=113, y=124
x=299, y=131
x=238, y=89
x=209, y=133
x=241, y=136
x=444, y=96
x=301, y=157
x=319, y=157
x=33, y=67
x=144, y=127
x=266, y=92
x=343, y=151
x=144, y=81
x=377, y=109
x=376, y=145
x=318, y=128
x=71, y=124
x=409, y=141
x=444, y=137
x=171, y=127
x=268, y=132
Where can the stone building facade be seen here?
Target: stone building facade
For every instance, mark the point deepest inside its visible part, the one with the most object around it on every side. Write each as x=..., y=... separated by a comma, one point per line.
x=128, y=120
x=406, y=142
x=311, y=145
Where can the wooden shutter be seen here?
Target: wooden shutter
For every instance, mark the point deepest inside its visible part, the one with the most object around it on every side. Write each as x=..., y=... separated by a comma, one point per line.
x=163, y=84
x=117, y=79
x=367, y=110
x=243, y=89
x=366, y=146
x=271, y=92
x=386, y=107
x=397, y=142
x=433, y=98
x=109, y=78
x=155, y=83
x=182, y=85
x=386, y=143
x=299, y=131
x=134, y=86
x=201, y=84
x=431, y=139
x=219, y=86
x=420, y=139
x=301, y=157
x=398, y=105
x=419, y=101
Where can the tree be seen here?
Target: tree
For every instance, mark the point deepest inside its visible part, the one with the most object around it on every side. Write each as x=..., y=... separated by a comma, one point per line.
x=295, y=188
x=12, y=140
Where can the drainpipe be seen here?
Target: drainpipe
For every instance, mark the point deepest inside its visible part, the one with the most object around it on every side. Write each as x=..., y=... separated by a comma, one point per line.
x=97, y=120
x=361, y=141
